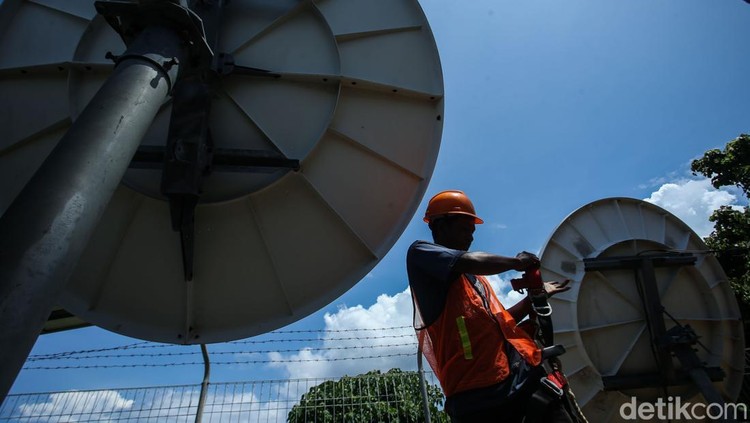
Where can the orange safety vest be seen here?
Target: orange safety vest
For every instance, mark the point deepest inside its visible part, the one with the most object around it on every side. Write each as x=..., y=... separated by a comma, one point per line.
x=465, y=345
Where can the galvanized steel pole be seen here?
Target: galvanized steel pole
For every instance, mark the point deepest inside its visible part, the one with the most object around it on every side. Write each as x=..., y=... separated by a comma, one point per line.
x=45, y=230
x=204, y=385
x=423, y=387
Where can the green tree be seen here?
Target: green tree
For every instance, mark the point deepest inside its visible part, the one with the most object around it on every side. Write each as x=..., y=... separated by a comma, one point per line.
x=731, y=236
x=393, y=397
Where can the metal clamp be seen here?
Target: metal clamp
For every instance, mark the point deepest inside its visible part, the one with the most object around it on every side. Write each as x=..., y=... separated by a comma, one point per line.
x=543, y=311
x=551, y=386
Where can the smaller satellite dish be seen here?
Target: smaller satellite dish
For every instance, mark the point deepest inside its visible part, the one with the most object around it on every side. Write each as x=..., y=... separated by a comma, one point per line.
x=603, y=320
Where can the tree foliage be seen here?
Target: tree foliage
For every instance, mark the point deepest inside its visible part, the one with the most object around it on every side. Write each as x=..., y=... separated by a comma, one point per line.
x=730, y=166
x=393, y=396
x=731, y=236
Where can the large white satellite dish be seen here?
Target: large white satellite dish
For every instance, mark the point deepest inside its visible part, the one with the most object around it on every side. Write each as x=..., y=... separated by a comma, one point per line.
x=326, y=119
x=603, y=320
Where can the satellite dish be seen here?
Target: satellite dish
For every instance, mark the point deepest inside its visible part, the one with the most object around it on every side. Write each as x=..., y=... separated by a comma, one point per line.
x=604, y=322
x=325, y=121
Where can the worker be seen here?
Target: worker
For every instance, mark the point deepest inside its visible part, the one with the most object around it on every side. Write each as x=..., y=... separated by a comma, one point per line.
x=488, y=367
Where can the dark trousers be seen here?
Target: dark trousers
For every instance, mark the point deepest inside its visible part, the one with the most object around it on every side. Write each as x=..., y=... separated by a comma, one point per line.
x=515, y=413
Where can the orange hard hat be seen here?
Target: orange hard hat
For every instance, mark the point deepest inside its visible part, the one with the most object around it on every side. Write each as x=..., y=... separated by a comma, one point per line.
x=450, y=202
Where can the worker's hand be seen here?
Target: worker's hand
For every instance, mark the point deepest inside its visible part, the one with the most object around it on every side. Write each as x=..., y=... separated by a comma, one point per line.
x=528, y=261
x=556, y=287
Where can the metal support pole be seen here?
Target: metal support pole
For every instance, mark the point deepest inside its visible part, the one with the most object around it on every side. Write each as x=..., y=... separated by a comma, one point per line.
x=423, y=386
x=646, y=279
x=44, y=232
x=204, y=385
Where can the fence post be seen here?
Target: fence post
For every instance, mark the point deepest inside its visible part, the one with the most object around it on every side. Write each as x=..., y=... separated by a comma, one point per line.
x=204, y=385
x=423, y=386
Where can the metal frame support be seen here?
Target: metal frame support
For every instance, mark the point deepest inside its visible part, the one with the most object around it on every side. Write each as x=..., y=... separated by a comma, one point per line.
x=646, y=279
x=186, y=161
x=222, y=160
x=189, y=144
x=45, y=230
x=677, y=341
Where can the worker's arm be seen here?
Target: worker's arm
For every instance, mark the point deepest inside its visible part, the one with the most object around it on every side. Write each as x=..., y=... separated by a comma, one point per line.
x=479, y=263
x=521, y=309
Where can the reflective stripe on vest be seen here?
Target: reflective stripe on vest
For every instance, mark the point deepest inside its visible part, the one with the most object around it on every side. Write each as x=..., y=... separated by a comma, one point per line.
x=464, y=334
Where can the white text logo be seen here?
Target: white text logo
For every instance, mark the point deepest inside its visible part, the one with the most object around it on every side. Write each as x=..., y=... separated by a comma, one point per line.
x=674, y=409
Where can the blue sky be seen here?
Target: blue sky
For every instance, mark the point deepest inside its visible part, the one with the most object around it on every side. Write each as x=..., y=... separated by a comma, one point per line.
x=549, y=105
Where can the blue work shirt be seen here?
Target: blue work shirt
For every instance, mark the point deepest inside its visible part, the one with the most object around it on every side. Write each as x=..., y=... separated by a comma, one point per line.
x=430, y=269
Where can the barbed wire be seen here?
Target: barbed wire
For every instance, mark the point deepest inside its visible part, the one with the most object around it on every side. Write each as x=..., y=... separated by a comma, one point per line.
x=218, y=363
x=88, y=357
x=354, y=338
x=268, y=341
x=149, y=345
x=121, y=347
x=341, y=330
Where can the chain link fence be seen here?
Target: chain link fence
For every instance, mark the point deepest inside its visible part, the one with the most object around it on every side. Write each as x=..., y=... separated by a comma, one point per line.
x=744, y=397
x=374, y=397
x=388, y=397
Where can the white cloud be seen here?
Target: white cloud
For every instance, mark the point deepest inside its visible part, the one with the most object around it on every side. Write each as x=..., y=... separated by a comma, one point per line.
x=498, y=226
x=501, y=284
x=693, y=201
x=268, y=401
x=356, y=330
x=661, y=180
x=71, y=406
